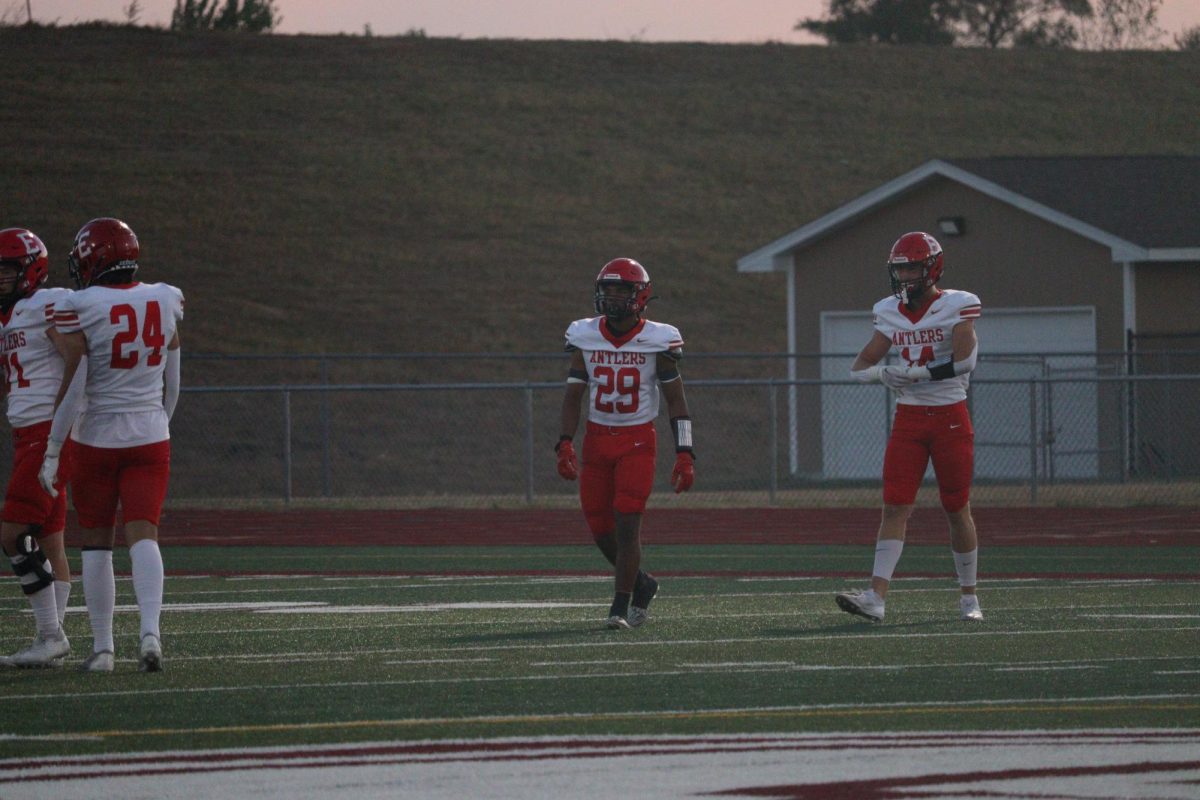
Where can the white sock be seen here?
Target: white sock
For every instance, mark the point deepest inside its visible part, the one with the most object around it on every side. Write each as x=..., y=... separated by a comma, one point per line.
x=148, y=582
x=887, y=556
x=965, y=564
x=62, y=591
x=100, y=596
x=45, y=610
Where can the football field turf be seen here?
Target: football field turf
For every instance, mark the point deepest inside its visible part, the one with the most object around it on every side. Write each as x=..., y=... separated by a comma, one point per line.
x=305, y=646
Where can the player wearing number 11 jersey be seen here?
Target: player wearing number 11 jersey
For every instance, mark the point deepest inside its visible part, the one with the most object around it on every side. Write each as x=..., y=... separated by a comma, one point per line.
x=623, y=361
x=32, y=522
x=125, y=336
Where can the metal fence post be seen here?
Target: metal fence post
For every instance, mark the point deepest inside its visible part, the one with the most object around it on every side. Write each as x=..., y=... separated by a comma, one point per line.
x=773, y=441
x=326, y=469
x=1033, y=444
x=1126, y=445
x=528, y=443
x=287, y=446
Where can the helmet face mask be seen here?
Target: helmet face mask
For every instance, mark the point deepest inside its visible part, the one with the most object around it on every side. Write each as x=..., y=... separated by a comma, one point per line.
x=26, y=260
x=102, y=246
x=919, y=250
x=622, y=289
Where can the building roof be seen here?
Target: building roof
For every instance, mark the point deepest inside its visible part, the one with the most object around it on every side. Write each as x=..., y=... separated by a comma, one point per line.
x=1144, y=208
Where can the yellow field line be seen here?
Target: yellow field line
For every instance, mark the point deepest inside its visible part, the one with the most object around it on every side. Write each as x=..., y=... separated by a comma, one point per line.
x=647, y=715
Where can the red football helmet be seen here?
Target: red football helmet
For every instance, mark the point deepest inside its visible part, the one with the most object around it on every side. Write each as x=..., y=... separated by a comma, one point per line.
x=920, y=249
x=629, y=273
x=102, y=246
x=23, y=250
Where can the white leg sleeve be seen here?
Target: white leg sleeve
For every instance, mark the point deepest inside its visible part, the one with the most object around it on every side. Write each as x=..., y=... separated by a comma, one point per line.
x=887, y=556
x=965, y=564
x=100, y=596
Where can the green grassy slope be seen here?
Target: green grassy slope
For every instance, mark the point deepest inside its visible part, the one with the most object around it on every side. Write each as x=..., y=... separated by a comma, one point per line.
x=371, y=195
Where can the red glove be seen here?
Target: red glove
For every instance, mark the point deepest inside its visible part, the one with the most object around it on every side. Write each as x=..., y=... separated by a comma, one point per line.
x=568, y=465
x=684, y=474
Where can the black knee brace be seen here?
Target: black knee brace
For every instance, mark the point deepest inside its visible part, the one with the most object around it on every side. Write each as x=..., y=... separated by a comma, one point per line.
x=31, y=565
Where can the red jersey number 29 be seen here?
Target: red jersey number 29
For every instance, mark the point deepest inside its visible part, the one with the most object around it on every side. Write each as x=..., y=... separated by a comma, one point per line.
x=618, y=389
x=125, y=317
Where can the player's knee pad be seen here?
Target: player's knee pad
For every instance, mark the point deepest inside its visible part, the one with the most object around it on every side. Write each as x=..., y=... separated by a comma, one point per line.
x=31, y=565
x=956, y=499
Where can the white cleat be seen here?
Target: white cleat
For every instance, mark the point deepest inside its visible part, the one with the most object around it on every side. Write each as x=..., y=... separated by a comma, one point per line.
x=46, y=651
x=863, y=604
x=969, y=609
x=98, y=662
x=637, y=617
x=150, y=657
x=618, y=623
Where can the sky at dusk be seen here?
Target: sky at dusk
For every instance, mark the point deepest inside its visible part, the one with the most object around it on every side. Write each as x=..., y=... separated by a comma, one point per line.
x=643, y=20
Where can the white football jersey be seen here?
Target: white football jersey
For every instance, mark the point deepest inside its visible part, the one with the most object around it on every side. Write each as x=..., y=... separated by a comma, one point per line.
x=128, y=328
x=927, y=337
x=622, y=370
x=32, y=365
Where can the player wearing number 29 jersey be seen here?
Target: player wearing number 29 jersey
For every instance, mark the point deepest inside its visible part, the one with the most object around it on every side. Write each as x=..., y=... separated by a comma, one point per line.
x=624, y=361
x=623, y=368
x=123, y=336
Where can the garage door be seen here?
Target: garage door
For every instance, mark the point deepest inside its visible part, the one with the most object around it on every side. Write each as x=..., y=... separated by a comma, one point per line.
x=1014, y=343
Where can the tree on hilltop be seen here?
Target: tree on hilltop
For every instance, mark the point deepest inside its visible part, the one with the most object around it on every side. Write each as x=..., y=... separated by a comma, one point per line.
x=251, y=16
x=1087, y=24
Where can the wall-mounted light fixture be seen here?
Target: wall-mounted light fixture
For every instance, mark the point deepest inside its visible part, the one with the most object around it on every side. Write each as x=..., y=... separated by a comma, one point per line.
x=952, y=226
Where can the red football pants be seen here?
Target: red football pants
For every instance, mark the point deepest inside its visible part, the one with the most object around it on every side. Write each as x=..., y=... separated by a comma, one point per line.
x=25, y=501
x=136, y=477
x=617, y=474
x=920, y=434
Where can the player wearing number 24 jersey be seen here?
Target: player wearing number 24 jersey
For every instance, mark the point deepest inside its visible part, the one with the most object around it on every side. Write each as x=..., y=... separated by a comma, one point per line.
x=124, y=336
x=932, y=330
x=624, y=362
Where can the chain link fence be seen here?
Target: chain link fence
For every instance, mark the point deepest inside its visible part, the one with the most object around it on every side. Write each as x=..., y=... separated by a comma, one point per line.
x=1085, y=441
x=1062, y=430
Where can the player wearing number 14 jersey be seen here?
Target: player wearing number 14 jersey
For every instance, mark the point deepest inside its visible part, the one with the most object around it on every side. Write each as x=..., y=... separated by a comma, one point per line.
x=933, y=332
x=125, y=336
x=623, y=361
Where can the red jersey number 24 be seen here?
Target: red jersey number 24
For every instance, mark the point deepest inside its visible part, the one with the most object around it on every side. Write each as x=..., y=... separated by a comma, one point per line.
x=125, y=318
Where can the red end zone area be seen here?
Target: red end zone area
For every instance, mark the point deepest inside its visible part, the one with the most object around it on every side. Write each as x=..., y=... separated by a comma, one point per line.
x=999, y=527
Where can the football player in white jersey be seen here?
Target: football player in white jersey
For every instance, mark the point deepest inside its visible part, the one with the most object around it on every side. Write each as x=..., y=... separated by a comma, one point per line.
x=933, y=332
x=623, y=360
x=32, y=522
x=126, y=336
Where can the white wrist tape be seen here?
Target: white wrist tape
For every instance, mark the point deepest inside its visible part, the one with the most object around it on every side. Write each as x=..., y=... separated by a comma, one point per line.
x=868, y=375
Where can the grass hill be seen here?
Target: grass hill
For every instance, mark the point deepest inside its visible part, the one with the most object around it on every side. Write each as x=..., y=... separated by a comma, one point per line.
x=349, y=194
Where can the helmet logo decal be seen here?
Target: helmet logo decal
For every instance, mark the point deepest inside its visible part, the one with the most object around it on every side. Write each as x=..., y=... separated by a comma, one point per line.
x=32, y=245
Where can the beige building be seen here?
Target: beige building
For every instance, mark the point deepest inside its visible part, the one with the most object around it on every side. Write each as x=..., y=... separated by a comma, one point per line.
x=1070, y=257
